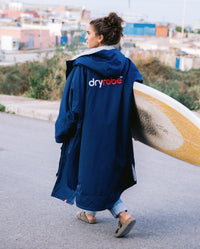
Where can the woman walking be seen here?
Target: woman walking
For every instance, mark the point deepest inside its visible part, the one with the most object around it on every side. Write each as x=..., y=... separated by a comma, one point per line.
x=94, y=127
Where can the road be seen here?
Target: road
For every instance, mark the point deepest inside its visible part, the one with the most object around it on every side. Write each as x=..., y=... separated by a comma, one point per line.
x=165, y=202
x=12, y=57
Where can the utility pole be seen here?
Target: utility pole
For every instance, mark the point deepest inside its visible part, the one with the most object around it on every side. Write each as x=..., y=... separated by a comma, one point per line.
x=183, y=17
x=40, y=27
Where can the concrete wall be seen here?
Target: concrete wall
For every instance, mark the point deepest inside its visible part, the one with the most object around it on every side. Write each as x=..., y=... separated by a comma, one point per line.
x=167, y=58
x=188, y=62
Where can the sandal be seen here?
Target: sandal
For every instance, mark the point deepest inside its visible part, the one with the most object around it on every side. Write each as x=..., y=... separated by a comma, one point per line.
x=125, y=227
x=82, y=216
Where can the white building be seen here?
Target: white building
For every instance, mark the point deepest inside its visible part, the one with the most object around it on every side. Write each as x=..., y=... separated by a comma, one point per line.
x=15, y=6
x=9, y=43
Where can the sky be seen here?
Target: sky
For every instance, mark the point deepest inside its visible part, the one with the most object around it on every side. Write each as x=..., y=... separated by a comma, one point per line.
x=163, y=11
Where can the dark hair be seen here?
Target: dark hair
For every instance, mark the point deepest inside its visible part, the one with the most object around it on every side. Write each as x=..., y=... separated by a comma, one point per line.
x=110, y=27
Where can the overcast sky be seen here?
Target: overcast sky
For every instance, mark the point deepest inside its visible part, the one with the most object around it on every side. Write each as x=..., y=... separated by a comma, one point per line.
x=151, y=10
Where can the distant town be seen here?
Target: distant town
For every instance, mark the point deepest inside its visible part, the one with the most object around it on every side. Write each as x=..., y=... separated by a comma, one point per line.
x=25, y=27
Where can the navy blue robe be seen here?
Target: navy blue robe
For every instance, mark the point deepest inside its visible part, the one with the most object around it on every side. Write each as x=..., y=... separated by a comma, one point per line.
x=94, y=127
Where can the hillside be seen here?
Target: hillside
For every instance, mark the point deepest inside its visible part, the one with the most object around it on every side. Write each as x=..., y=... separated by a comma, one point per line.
x=182, y=86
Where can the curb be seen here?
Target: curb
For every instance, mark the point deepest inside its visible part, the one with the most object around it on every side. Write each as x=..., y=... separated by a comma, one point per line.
x=39, y=109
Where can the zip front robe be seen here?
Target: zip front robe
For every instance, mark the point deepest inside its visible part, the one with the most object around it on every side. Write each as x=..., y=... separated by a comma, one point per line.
x=94, y=127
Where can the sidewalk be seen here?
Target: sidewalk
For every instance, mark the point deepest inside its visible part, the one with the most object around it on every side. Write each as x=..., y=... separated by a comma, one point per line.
x=40, y=109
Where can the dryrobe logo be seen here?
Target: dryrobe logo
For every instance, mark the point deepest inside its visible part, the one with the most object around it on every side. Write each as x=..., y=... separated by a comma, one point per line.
x=105, y=82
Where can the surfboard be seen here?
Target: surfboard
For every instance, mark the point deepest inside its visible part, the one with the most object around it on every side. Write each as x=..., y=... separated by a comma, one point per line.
x=165, y=124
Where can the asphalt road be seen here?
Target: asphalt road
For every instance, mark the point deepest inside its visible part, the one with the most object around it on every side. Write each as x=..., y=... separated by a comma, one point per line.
x=165, y=202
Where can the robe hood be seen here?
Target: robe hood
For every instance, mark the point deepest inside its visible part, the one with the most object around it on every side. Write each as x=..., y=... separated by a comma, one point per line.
x=105, y=61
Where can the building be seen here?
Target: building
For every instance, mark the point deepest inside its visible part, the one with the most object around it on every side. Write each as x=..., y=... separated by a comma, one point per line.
x=162, y=31
x=15, y=14
x=86, y=15
x=146, y=29
x=28, y=38
x=15, y=5
x=141, y=29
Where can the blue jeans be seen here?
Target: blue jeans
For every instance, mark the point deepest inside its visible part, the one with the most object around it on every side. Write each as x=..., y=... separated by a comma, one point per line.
x=117, y=208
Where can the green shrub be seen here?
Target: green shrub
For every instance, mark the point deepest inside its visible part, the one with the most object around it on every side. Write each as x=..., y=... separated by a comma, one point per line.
x=2, y=108
x=13, y=81
x=46, y=80
x=42, y=80
x=37, y=89
x=182, y=86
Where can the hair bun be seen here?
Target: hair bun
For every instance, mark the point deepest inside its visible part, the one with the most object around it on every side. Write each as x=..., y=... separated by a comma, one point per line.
x=110, y=27
x=114, y=19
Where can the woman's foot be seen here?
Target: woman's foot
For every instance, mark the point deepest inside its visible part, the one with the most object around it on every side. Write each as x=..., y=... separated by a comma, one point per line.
x=126, y=223
x=124, y=216
x=91, y=218
x=83, y=216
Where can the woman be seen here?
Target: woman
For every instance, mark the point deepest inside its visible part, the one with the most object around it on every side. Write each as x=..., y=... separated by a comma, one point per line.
x=94, y=125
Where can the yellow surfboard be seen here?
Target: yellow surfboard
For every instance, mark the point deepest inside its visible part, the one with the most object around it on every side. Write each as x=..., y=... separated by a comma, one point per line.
x=165, y=124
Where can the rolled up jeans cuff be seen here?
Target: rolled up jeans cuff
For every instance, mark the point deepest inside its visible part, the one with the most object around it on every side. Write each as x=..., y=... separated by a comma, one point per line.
x=117, y=208
x=93, y=213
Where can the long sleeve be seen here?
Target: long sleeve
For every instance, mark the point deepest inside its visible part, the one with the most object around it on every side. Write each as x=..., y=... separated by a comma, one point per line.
x=72, y=105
